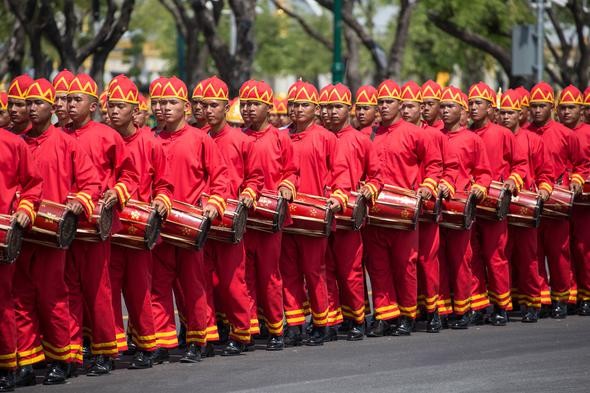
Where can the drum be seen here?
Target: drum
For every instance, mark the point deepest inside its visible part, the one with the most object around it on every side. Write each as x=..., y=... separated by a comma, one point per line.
x=269, y=213
x=231, y=227
x=352, y=217
x=584, y=198
x=311, y=216
x=431, y=210
x=98, y=227
x=525, y=210
x=141, y=226
x=185, y=227
x=55, y=226
x=11, y=239
x=458, y=212
x=559, y=205
x=496, y=204
x=395, y=207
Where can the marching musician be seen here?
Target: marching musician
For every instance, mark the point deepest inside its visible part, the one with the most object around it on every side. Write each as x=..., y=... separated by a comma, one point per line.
x=61, y=84
x=17, y=105
x=155, y=92
x=366, y=109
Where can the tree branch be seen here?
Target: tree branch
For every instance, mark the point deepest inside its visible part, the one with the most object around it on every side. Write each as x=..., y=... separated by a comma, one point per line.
x=396, y=52
x=102, y=34
x=304, y=25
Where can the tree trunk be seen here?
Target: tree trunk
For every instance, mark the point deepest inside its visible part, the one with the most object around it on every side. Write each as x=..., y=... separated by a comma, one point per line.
x=398, y=47
x=353, y=76
x=99, y=59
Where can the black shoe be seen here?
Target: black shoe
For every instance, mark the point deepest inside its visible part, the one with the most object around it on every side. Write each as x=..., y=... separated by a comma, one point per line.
x=444, y=322
x=498, y=317
x=531, y=315
x=331, y=334
x=131, y=347
x=572, y=308
x=233, y=348
x=25, y=376
x=101, y=365
x=209, y=351
x=347, y=325
x=584, y=309
x=405, y=327
x=141, y=360
x=293, y=336
x=379, y=328
x=182, y=336
x=461, y=322
x=160, y=356
x=356, y=333
x=56, y=374
x=250, y=346
x=192, y=354
x=433, y=323
x=223, y=330
x=317, y=337
x=477, y=318
x=545, y=311
x=559, y=310
x=275, y=343
x=72, y=370
x=7, y=381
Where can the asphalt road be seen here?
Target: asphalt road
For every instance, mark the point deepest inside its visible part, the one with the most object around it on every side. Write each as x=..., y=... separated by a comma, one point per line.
x=550, y=356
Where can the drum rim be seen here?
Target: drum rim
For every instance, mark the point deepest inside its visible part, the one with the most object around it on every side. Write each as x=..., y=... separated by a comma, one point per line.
x=360, y=203
x=105, y=228
x=470, y=206
x=14, y=238
x=203, y=233
x=155, y=221
x=239, y=222
x=65, y=243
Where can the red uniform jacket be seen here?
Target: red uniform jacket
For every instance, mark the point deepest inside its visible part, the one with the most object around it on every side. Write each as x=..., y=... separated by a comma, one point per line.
x=106, y=149
x=474, y=167
x=540, y=171
x=368, y=131
x=65, y=168
x=195, y=166
x=148, y=158
x=245, y=176
x=409, y=158
x=506, y=162
x=438, y=125
x=582, y=131
x=450, y=160
x=273, y=153
x=564, y=151
x=18, y=172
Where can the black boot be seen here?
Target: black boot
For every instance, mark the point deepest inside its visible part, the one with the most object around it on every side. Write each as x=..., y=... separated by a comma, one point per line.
x=141, y=360
x=356, y=333
x=444, y=322
x=86, y=352
x=131, y=347
x=182, y=336
x=317, y=337
x=545, y=311
x=264, y=333
x=572, y=308
x=101, y=365
x=209, y=351
x=433, y=323
x=223, y=330
x=379, y=328
x=331, y=334
x=233, y=348
x=293, y=336
x=56, y=374
x=404, y=327
x=531, y=315
x=25, y=376
x=461, y=322
x=498, y=317
x=584, y=309
x=559, y=310
x=347, y=326
x=7, y=381
x=477, y=318
x=160, y=356
x=275, y=343
x=192, y=354
x=72, y=370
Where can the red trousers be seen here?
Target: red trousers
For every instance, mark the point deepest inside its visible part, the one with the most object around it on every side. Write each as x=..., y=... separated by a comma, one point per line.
x=131, y=275
x=581, y=250
x=522, y=254
x=345, y=278
x=89, y=288
x=264, y=280
x=303, y=265
x=428, y=266
x=554, y=244
x=489, y=265
x=455, y=256
x=187, y=266
x=7, y=319
x=228, y=262
x=392, y=256
x=41, y=305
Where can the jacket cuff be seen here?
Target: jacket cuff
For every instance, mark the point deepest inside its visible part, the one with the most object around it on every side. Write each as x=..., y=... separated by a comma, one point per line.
x=249, y=192
x=341, y=197
x=219, y=204
x=28, y=208
x=577, y=178
x=122, y=193
x=482, y=188
x=517, y=180
x=431, y=184
x=86, y=200
x=546, y=186
x=449, y=186
x=166, y=201
x=288, y=184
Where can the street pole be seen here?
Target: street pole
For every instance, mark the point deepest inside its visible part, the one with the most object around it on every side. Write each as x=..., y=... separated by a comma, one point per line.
x=540, y=38
x=337, y=64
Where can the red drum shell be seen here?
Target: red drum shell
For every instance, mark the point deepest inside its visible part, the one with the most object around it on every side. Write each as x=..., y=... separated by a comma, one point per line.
x=269, y=214
x=97, y=227
x=395, y=207
x=496, y=204
x=231, y=227
x=353, y=216
x=186, y=227
x=458, y=212
x=431, y=210
x=11, y=238
x=141, y=226
x=55, y=226
x=310, y=215
x=559, y=205
x=525, y=210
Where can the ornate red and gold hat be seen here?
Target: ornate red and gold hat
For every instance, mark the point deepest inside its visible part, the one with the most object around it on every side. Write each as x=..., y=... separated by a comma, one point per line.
x=280, y=106
x=431, y=89
x=453, y=94
x=103, y=100
x=259, y=91
x=122, y=89
x=156, y=87
x=214, y=89
x=510, y=100
x=245, y=89
x=571, y=95
x=174, y=88
x=143, y=103
x=42, y=89
x=525, y=96
x=61, y=82
x=542, y=92
x=411, y=91
x=324, y=93
x=83, y=84
x=388, y=89
x=340, y=94
x=301, y=91
x=3, y=100
x=19, y=86
x=464, y=100
x=198, y=91
x=234, y=115
x=483, y=91
x=587, y=96
x=366, y=95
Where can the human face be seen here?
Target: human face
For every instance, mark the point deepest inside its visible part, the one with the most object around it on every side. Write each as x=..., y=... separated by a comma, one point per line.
x=305, y=112
x=120, y=114
x=365, y=114
x=291, y=111
x=284, y=119
x=199, y=110
x=479, y=109
x=526, y=113
x=257, y=113
x=273, y=118
x=450, y=114
x=388, y=109
x=339, y=114
x=541, y=112
x=510, y=118
x=157, y=110
x=19, y=114
x=215, y=111
x=587, y=114
x=40, y=112
x=60, y=107
x=140, y=118
x=410, y=111
x=174, y=110
x=81, y=106
x=325, y=116
x=430, y=110
x=569, y=114
x=4, y=118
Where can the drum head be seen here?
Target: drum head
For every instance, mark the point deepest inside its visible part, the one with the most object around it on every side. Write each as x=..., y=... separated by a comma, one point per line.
x=67, y=229
x=14, y=241
x=438, y=208
x=359, y=213
x=281, y=214
x=152, y=230
x=504, y=204
x=204, y=231
x=105, y=222
x=329, y=221
x=239, y=224
x=538, y=211
x=469, y=215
